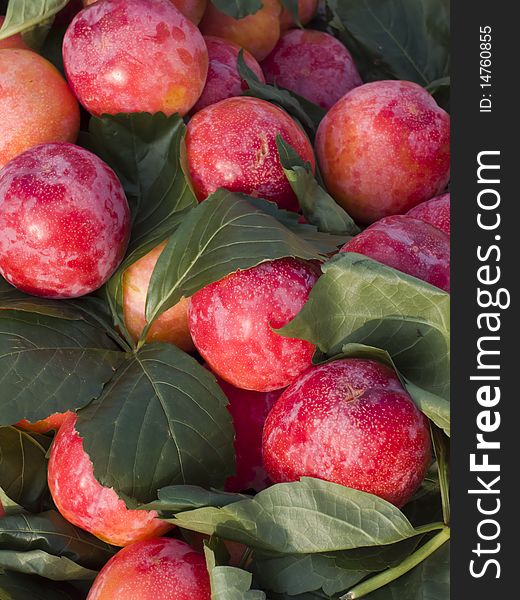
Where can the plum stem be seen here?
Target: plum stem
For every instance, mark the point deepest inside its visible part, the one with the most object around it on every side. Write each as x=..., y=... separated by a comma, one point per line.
x=386, y=577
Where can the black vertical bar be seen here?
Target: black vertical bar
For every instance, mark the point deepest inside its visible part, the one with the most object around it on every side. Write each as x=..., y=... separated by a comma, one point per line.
x=475, y=131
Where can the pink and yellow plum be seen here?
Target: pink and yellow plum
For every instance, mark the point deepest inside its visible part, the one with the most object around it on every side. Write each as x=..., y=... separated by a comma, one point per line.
x=64, y=221
x=232, y=321
x=232, y=145
x=124, y=56
x=172, y=326
x=223, y=80
x=36, y=104
x=408, y=245
x=157, y=569
x=352, y=423
x=314, y=65
x=83, y=501
x=257, y=33
x=384, y=148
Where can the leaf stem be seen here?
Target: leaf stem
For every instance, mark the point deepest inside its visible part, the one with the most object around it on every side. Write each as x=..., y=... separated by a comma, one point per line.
x=245, y=558
x=441, y=449
x=386, y=577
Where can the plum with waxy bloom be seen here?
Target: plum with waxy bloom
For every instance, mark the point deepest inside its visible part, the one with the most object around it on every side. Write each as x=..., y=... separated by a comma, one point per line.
x=125, y=56
x=64, y=221
x=83, y=501
x=350, y=422
x=436, y=212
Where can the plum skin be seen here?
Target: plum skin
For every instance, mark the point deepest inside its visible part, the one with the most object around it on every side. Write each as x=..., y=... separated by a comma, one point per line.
x=83, y=501
x=223, y=80
x=435, y=211
x=52, y=422
x=384, y=148
x=64, y=221
x=171, y=326
x=110, y=73
x=156, y=569
x=192, y=9
x=232, y=144
x=232, y=321
x=306, y=11
x=314, y=65
x=257, y=33
x=349, y=422
x=249, y=410
x=408, y=245
x=36, y=104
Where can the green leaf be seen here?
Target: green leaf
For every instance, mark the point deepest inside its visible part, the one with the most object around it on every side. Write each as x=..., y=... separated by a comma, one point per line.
x=305, y=573
x=50, y=364
x=238, y=9
x=440, y=89
x=292, y=7
x=428, y=581
x=25, y=15
x=318, y=207
x=16, y=586
x=303, y=517
x=358, y=300
x=221, y=235
x=23, y=467
x=229, y=583
x=309, y=114
x=51, y=533
x=178, y=498
x=441, y=447
x=403, y=39
x=145, y=152
x=38, y=562
x=161, y=420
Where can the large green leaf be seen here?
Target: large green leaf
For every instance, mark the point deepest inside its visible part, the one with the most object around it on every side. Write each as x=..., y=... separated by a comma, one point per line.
x=223, y=234
x=25, y=15
x=51, y=533
x=179, y=498
x=307, y=113
x=318, y=207
x=428, y=581
x=303, y=517
x=17, y=586
x=23, y=467
x=161, y=420
x=38, y=562
x=238, y=9
x=396, y=39
x=50, y=364
x=305, y=573
x=229, y=583
x=145, y=152
x=358, y=300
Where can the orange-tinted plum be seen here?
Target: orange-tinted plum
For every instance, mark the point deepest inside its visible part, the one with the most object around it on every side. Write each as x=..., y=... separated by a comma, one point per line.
x=257, y=33
x=232, y=322
x=352, y=423
x=83, y=501
x=249, y=410
x=64, y=221
x=306, y=11
x=158, y=569
x=172, y=326
x=135, y=56
x=52, y=423
x=436, y=212
x=232, y=144
x=14, y=41
x=223, y=80
x=384, y=148
x=36, y=104
x=313, y=64
x=408, y=245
